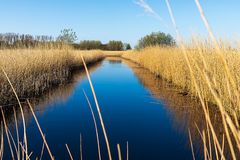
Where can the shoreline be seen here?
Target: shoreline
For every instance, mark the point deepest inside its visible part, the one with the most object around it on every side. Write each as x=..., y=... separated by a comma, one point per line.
x=53, y=68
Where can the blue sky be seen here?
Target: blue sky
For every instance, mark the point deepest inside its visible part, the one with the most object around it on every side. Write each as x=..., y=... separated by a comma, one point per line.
x=117, y=19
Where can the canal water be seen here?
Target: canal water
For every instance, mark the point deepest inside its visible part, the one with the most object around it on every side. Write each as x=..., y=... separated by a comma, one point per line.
x=137, y=108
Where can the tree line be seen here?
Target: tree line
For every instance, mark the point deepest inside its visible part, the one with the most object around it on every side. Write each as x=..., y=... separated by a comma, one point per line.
x=110, y=46
x=68, y=38
x=15, y=41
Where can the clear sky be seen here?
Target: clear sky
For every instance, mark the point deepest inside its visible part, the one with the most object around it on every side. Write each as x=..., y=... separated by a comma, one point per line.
x=117, y=19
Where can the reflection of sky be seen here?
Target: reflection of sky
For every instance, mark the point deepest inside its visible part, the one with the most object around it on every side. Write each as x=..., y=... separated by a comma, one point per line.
x=127, y=113
x=116, y=19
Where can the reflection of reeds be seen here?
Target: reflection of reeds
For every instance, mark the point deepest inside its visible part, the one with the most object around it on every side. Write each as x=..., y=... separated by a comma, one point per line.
x=22, y=150
x=184, y=110
x=209, y=71
x=22, y=113
x=33, y=72
x=39, y=128
x=58, y=94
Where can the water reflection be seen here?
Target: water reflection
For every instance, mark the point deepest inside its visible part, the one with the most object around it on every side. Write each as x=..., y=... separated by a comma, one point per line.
x=137, y=107
x=59, y=94
x=186, y=112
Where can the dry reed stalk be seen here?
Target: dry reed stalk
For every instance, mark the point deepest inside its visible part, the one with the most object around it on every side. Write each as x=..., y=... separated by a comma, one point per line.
x=21, y=109
x=227, y=71
x=18, y=139
x=204, y=144
x=13, y=141
x=213, y=38
x=119, y=152
x=40, y=130
x=7, y=135
x=98, y=109
x=191, y=143
x=69, y=152
x=24, y=152
x=2, y=142
x=230, y=78
x=187, y=59
x=42, y=151
x=223, y=144
x=81, y=148
x=127, y=152
x=29, y=157
x=95, y=125
x=218, y=100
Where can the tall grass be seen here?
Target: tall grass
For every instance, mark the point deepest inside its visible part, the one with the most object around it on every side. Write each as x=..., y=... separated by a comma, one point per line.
x=22, y=153
x=208, y=81
x=32, y=72
x=209, y=71
x=169, y=63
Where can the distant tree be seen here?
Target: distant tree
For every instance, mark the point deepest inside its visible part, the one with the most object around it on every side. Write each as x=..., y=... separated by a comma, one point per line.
x=156, y=39
x=14, y=41
x=88, y=45
x=67, y=36
x=127, y=46
x=115, y=46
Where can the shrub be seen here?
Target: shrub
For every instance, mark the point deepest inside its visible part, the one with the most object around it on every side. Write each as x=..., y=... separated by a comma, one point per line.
x=127, y=46
x=156, y=39
x=90, y=44
x=67, y=36
x=115, y=46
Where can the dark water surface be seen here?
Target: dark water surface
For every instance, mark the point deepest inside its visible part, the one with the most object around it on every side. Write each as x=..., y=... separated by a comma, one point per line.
x=136, y=107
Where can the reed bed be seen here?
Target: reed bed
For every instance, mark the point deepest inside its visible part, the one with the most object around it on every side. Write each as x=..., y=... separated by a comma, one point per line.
x=211, y=76
x=22, y=152
x=170, y=64
x=33, y=71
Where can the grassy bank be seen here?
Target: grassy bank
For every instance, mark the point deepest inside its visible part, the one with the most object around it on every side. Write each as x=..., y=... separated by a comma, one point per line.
x=33, y=71
x=207, y=67
x=213, y=76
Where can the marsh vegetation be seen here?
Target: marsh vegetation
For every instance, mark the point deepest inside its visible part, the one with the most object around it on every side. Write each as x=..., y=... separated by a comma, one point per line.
x=194, y=87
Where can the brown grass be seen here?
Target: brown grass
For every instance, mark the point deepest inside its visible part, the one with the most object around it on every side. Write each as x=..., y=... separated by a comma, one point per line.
x=209, y=80
x=32, y=72
x=170, y=64
x=209, y=71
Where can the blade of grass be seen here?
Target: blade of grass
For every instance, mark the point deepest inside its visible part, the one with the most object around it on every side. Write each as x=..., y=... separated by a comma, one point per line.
x=191, y=143
x=16, y=126
x=119, y=152
x=6, y=131
x=127, y=152
x=41, y=132
x=42, y=151
x=2, y=142
x=81, y=148
x=95, y=125
x=69, y=152
x=21, y=109
x=98, y=109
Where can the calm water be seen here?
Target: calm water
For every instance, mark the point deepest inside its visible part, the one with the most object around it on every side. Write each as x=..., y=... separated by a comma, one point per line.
x=136, y=108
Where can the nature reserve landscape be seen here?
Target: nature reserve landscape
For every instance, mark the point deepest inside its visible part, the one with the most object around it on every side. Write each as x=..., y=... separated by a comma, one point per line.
x=120, y=80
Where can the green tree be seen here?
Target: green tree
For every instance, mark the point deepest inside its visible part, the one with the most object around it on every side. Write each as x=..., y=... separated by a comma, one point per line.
x=88, y=45
x=127, y=46
x=67, y=36
x=156, y=39
x=115, y=46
